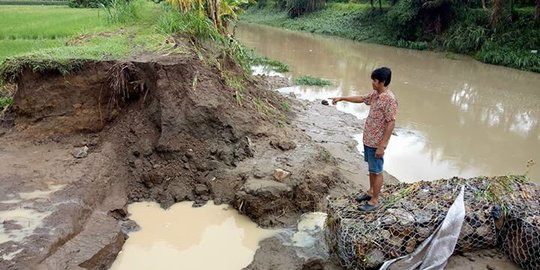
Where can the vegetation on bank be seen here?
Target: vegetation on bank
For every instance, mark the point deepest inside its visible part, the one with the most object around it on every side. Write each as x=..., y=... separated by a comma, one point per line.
x=66, y=38
x=512, y=39
x=311, y=81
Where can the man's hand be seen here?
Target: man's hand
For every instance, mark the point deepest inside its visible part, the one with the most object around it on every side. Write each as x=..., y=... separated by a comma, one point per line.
x=380, y=152
x=335, y=100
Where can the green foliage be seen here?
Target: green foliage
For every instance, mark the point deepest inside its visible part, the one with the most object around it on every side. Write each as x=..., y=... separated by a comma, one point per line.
x=463, y=38
x=121, y=11
x=5, y=102
x=36, y=22
x=312, y=81
x=300, y=7
x=469, y=33
x=403, y=19
x=511, y=57
x=174, y=22
x=86, y=3
x=34, y=2
x=271, y=64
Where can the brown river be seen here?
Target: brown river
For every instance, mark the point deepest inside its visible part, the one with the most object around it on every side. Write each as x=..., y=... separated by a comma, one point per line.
x=457, y=116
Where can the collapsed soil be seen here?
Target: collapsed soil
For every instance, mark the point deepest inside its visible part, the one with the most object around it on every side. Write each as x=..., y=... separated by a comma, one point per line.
x=165, y=129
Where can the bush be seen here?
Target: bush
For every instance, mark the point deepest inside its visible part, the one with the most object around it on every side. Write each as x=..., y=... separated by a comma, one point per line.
x=121, y=11
x=300, y=7
x=86, y=3
x=464, y=38
x=311, y=81
x=172, y=21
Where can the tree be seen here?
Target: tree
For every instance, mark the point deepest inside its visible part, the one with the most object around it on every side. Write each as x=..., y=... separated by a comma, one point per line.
x=220, y=12
x=537, y=14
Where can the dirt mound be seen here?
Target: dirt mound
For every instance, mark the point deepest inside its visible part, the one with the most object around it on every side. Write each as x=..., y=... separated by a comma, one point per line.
x=166, y=129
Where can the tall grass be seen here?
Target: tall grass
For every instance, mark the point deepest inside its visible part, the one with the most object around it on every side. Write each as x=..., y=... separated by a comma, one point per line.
x=122, y=11
x=172, y=21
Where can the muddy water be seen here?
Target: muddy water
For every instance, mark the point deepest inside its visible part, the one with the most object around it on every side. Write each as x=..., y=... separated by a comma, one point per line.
x=182, y=237
x=457, y=116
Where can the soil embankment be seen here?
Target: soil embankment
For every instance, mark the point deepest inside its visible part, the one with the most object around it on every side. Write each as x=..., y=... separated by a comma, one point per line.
x=80, y=147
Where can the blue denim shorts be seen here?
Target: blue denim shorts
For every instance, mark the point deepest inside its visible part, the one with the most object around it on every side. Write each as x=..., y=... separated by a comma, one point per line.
x=375, y=165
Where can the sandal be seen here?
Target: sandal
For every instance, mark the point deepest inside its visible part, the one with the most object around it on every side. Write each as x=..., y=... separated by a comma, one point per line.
x=368, y=207
x=363, y=197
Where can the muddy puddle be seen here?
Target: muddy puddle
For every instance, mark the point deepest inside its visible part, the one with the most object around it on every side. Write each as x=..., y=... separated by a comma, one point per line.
x=183, y=237
x=457, y=116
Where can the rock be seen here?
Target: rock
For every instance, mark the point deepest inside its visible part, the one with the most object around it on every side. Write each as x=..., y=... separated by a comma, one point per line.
x=201, y=189
x=324, y=102
x=483, y=231
x=128, y=226
x=283, y=145
x=80, y=152
x=422, y=216
x=395, y=241
x=388, y=220
x=404, y=218
x=376, y=258
x=313, y=264
x=423, y=233
x=280, y=175
x=258, y=174
x=410, y=245
x=489, y=267
x=261, y=187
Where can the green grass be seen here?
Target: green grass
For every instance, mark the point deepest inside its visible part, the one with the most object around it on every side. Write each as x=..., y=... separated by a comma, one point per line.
x=61, y=46
x=311, y=81
x=18, y=46
x=5, y=102
x=270, y=63
x=51, y=22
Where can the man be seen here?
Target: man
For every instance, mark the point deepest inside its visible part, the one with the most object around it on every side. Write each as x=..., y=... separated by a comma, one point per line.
x=377, y=131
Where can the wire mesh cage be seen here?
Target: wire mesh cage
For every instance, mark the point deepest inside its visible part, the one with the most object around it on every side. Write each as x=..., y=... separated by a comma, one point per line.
x=410, y=213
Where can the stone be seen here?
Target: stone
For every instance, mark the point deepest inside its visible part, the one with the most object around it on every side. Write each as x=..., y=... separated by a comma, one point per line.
x=201, y=189
x=258, y=174
x=376, y=258
x=262, y=187
x=483, y=231
x=422, y=216
x=410, y=246
x=284, y=145
x=80, y=152
x=395, y=241
x=388, y=220
x=423, y=233
x=280, y=175
x=128, y=226
x=404, y=218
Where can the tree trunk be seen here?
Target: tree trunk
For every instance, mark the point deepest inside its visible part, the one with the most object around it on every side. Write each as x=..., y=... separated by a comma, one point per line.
x=380, y=5
x=537, y=14
x=484, y=4
x=496, y=13
x=371, y=1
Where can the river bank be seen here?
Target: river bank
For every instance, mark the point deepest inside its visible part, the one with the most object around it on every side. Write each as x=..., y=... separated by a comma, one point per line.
x=512, y=46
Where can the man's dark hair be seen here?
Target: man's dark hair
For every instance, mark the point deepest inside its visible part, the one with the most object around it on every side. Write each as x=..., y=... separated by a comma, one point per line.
x=383, y=74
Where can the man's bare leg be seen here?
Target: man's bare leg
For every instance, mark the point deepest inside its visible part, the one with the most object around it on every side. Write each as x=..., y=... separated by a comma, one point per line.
x=371, y=183
x=377, y=186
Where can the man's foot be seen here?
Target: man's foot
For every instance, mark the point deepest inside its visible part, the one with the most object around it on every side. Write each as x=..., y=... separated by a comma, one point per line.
x=363, y=197
x=368, y=207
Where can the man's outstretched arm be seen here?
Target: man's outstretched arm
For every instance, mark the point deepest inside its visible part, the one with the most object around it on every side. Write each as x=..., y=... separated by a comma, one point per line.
x=353, y=99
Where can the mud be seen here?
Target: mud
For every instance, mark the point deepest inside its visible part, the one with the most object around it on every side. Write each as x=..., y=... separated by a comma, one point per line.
x=164, y=129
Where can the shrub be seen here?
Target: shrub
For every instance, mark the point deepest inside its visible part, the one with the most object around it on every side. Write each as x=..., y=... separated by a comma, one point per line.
x=300, y=7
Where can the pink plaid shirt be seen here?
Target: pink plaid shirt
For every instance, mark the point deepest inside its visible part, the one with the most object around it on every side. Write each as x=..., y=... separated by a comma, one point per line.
x=383, y=109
